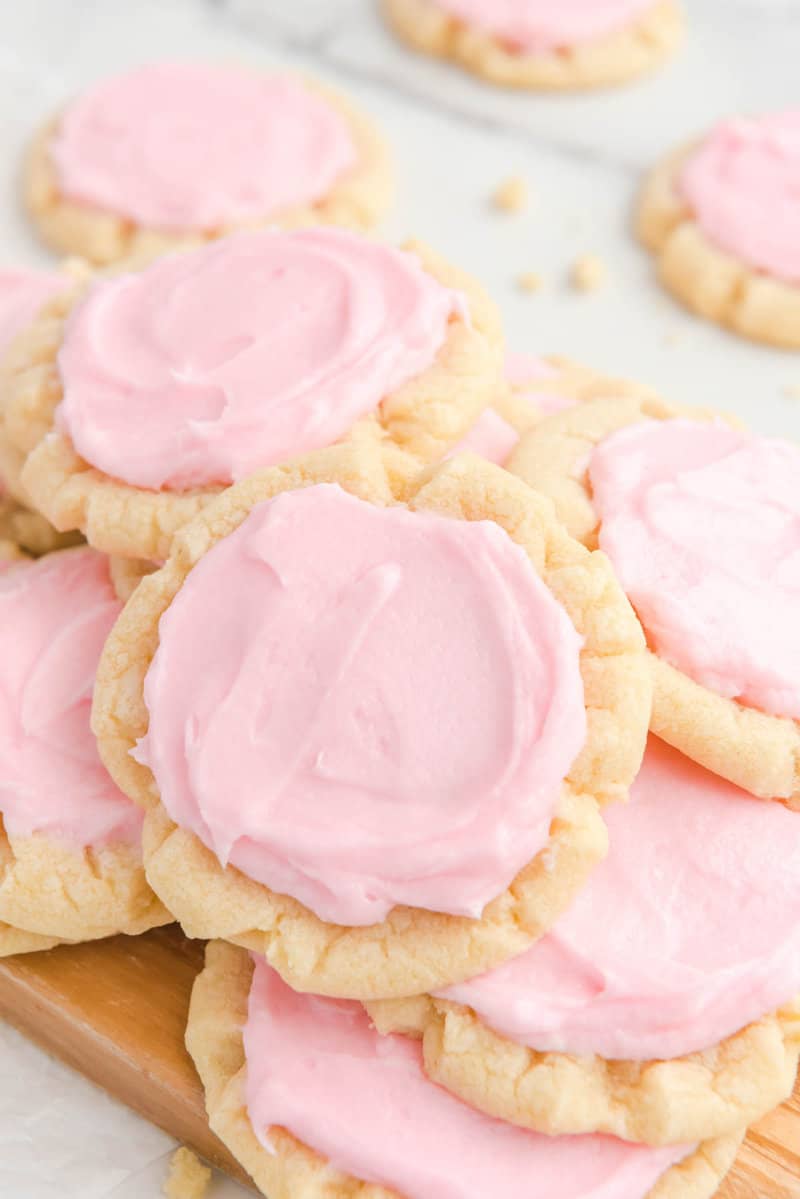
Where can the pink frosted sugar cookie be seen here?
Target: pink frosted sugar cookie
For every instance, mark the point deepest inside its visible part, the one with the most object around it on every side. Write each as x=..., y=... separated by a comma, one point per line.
x=160, y=387
x=62, y=819
x=701, y=522
x=291, y=1084
x=722, y=216
x=23, y=295
x=179, y=150
x=393, y=771
x=540, y=45
x=683, y=949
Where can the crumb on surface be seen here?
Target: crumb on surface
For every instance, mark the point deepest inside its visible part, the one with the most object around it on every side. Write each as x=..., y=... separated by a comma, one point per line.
x=588, y=273
x=529, y=281
x=792, y=391
x=188, y=1178
x=674, y=337
x=511, y=195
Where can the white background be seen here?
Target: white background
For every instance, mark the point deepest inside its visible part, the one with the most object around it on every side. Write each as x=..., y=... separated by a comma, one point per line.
x=454, y=141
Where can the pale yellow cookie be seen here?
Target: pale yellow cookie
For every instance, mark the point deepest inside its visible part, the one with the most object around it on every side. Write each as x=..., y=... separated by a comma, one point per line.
x=752, y=749
x=412, y=950
x=217, y=1014
x=358, y=200
x=58, y=893
x=679, y=1101
x=707, y=279
x=51, y=892
x=613, y=59
x=426, y=417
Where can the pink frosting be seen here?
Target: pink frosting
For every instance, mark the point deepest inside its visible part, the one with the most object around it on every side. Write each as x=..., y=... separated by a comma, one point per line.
x=187, y=146
x=688, y=931
x=316, y=1068
x=743, y=187
x=210, y=364
x=540, y=26
x=55, y=615
x=492, y=436
x=702, y=525
x=363, y=707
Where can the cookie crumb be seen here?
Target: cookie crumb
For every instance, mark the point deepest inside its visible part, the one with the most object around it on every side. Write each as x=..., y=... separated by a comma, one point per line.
x=188, y=1178
x=792, y=391
x=512, y=195
x=530, y=281
x=588, y=273
x=674, y=337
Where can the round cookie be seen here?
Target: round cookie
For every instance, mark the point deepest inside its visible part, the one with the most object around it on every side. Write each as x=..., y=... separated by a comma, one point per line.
x=721, y=217
x=178, y=150
x=127, y=435
x=23, y=295
x=70, y=841
x=540, y=46
x=662, y=1007
x=537, y=387
x=387, y=740
x=249, y=1037
x=724, y=690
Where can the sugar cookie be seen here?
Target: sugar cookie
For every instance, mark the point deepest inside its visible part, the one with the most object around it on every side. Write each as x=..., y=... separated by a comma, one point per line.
x=663, y=1006
x=70, y=841
x=154, y=390
x=721, y=217
x=538, y=45
x=441, y=884
x=171, y=150
x=696, y=515
x=291, y=1081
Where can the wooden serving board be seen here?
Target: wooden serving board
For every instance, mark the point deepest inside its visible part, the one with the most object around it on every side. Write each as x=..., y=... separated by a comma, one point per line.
x=116, y=1011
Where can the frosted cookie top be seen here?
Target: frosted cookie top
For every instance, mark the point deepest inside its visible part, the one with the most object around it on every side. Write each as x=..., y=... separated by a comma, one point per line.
x=539, y=26
x=23, y=293
x=55, y=615
x=742, y=185
x=687, y=932
x=315, y=1066
x=254, y=349
x=181, y=146
x=702, y=525
x=362, y=707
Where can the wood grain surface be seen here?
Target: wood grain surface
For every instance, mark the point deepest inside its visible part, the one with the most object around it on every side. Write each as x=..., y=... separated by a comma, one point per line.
x=116, y=1011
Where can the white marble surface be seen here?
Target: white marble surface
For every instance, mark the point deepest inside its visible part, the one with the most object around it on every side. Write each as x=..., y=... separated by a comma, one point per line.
x=454, y=140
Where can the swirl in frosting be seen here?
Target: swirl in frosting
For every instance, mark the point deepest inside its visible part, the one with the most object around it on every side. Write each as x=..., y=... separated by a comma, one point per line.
x=702, y=525
x=539, y=26
x=687, y=932
x=742, y=185
x=211, y=364
x=55, y=615
x=363, y=707
x=182, y=147
x=317, y=1068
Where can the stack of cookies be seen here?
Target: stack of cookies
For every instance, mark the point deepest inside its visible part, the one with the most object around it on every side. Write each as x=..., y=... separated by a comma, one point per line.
x=452, y=696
